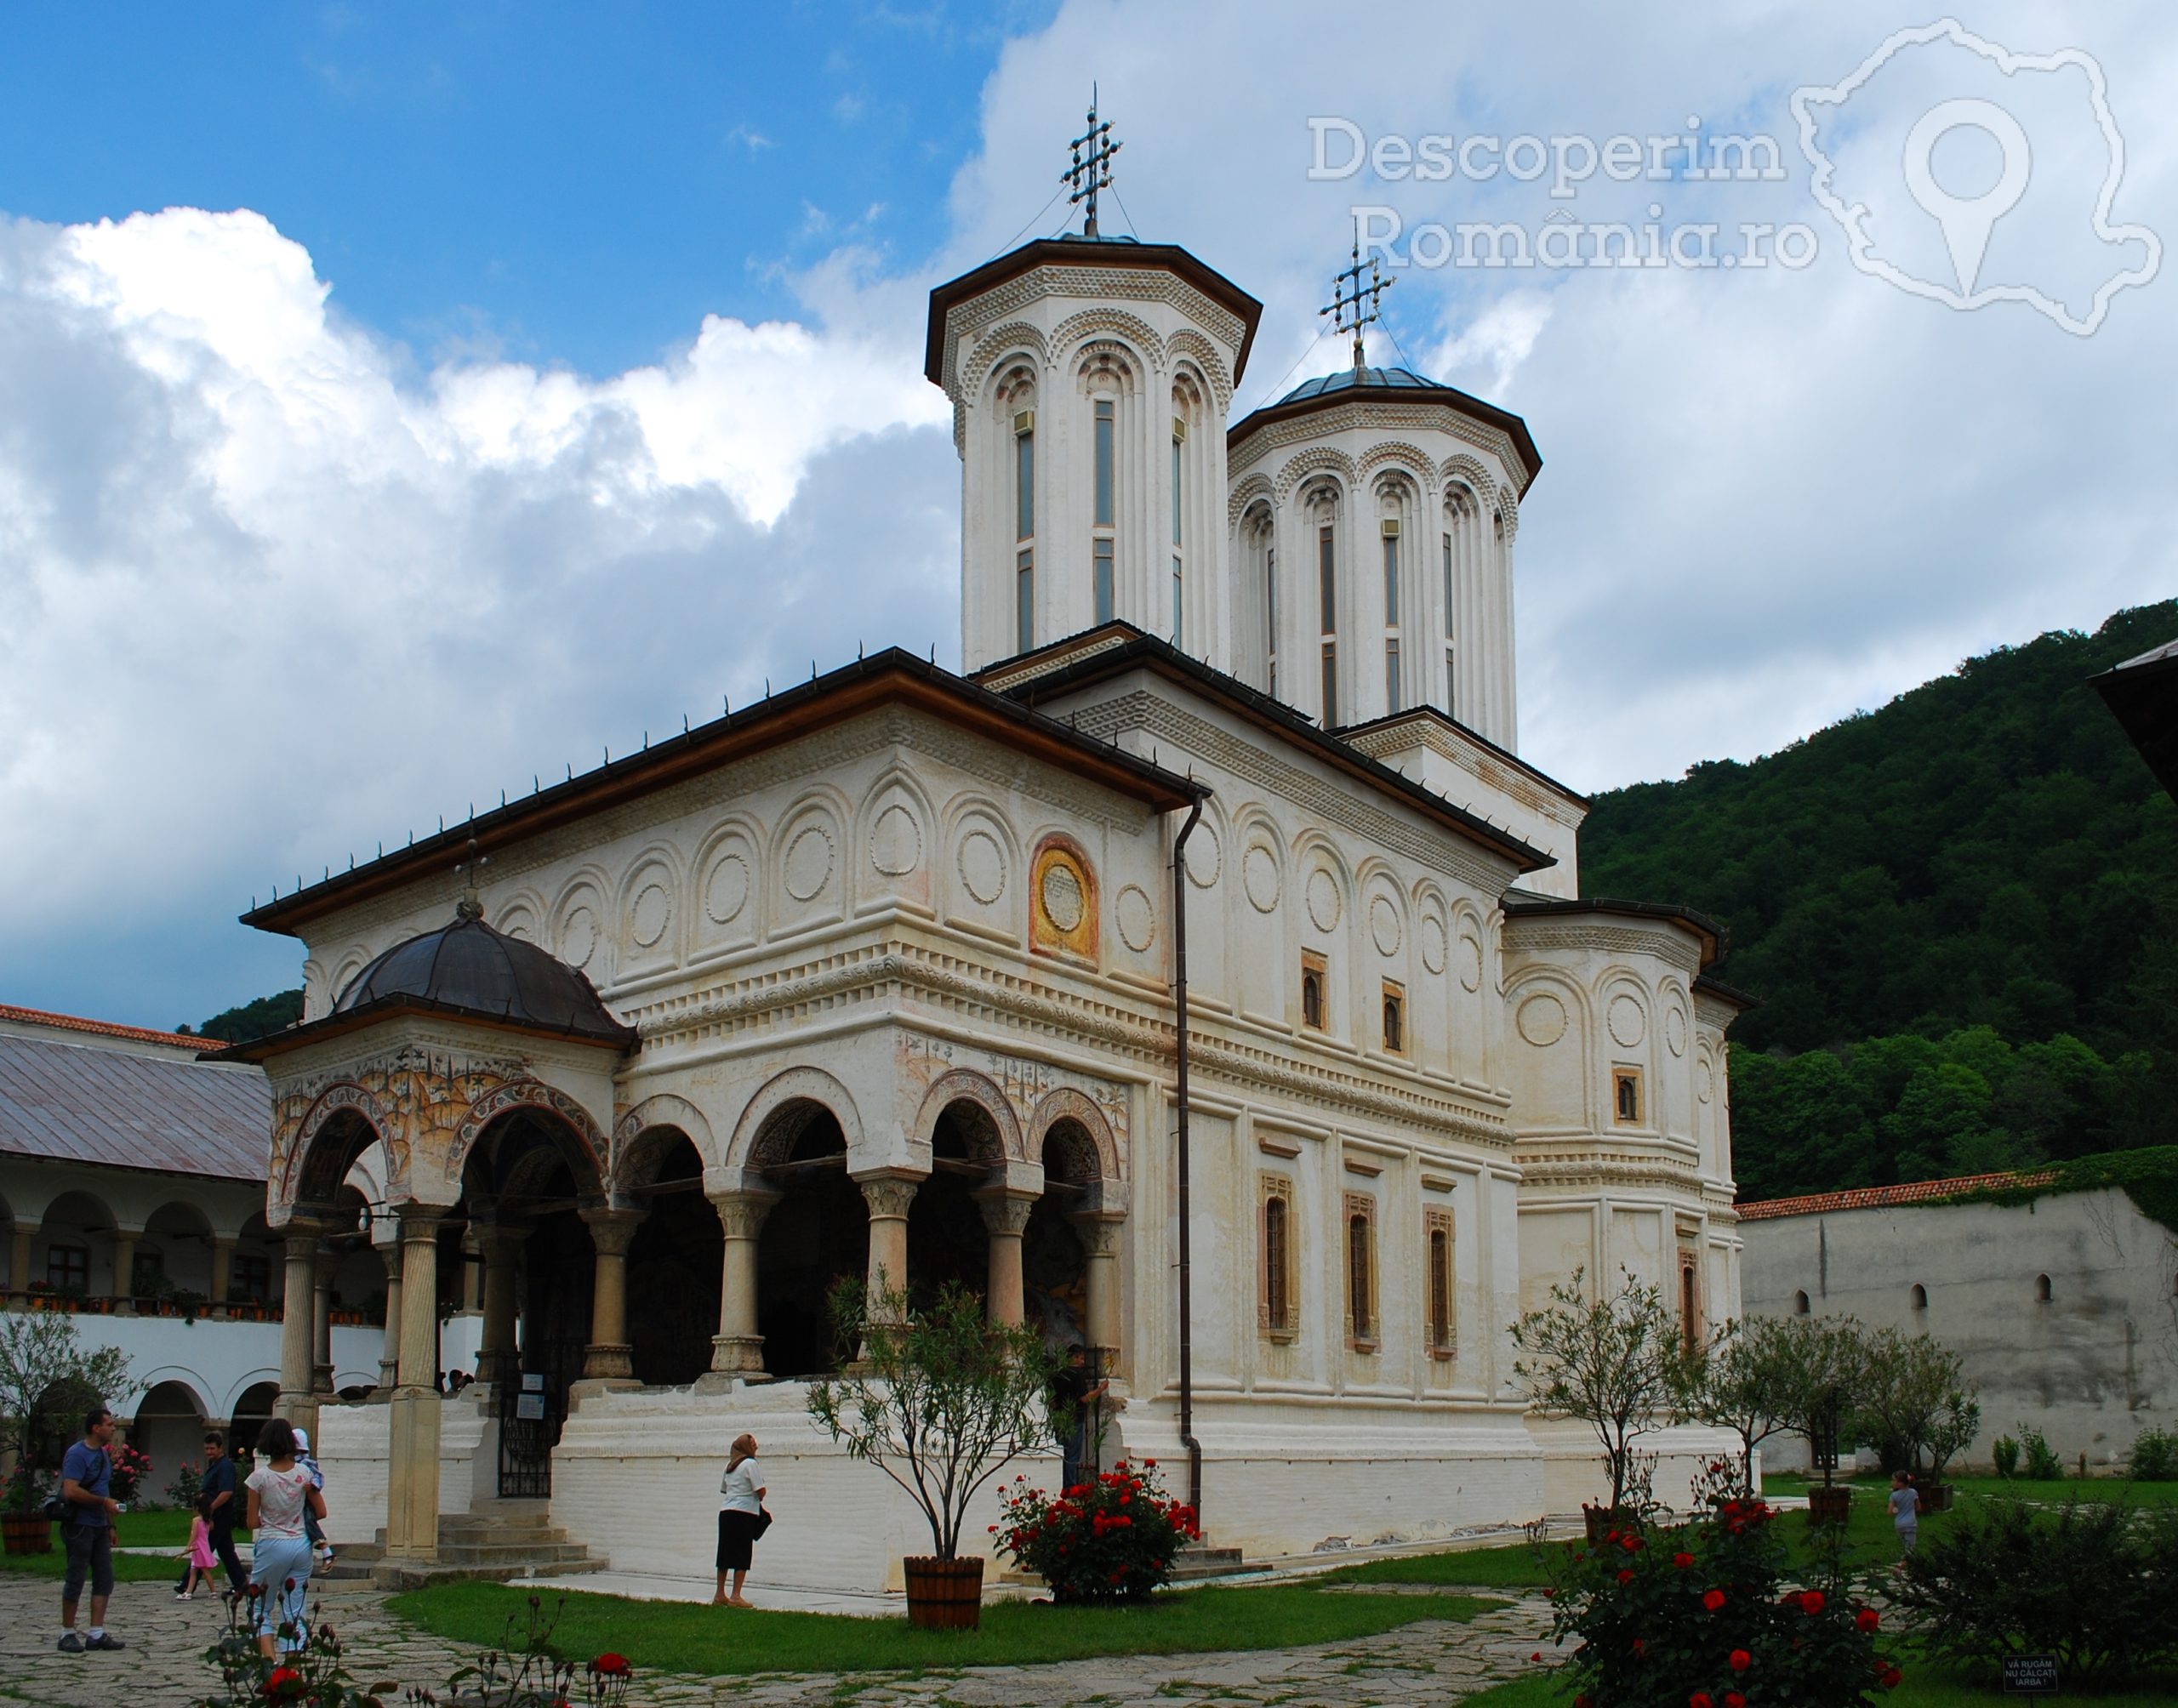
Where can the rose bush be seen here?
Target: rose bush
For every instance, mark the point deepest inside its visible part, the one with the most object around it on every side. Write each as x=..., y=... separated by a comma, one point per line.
x=1699, y=1615
x=1113, y=1537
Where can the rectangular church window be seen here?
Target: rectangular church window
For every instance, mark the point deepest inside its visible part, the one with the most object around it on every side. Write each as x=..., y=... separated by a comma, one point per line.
x=1391, y=574
x=1103, y=578
x=1391, y=677
x=1394, y=1018
x=1437, y=1228
x=1331, y=683
x=1276, y=1314
x=1327, y=576
x=1105, y=428
x=1025, y=484
x=1313, y=970
x=1448, y=591
x=1626, y=1095
x=1175, y=601
x=1024, y=594
x=1361, y=1273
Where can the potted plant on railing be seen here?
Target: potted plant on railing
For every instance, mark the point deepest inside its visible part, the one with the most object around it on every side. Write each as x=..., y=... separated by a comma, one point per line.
x=940, y=1399
x=1615, y=1363
x=47, y=1381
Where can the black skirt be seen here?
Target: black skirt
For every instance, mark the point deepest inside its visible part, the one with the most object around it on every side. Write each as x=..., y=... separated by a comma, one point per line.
x=737, y=1539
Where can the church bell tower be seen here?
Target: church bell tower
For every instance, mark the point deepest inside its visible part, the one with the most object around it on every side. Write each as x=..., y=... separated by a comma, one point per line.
x=1091, y=376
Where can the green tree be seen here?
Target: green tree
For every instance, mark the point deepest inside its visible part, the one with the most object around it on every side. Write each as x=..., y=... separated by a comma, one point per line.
x=49, y=1378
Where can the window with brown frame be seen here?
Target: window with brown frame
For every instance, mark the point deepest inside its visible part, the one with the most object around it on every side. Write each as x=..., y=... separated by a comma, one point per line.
x=1361, y=1273
x=1625, y=1096
x=249, y=1277
x=1313, y=980
x=1276, y=1313
x=1689, y=1302
x=1437, y=1242
x=1394, y=1018
x=67, y=1266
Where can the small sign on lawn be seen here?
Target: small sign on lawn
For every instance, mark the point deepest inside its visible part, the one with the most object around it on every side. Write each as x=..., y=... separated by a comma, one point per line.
x=2030, y=1675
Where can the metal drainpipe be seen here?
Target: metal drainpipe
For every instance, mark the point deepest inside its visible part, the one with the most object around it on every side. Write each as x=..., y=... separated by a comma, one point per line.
x=1187, y=1289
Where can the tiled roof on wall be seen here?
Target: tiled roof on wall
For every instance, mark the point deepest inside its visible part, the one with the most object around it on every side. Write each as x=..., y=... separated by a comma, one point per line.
x=1889, y=1197
x=104, y=1028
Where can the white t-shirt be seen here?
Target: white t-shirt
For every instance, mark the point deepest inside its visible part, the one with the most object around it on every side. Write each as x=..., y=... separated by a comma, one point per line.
x=739, y=1486
x=281, y=1499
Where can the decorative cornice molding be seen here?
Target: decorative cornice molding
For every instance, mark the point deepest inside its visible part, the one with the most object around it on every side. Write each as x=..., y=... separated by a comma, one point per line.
x=1373, y=417
x=1123, y=284
x=1549, y=933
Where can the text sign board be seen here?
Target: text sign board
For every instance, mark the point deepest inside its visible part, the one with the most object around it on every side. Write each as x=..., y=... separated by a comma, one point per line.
x=529, y=1406
x=533, y=1381
x=2030, y=1675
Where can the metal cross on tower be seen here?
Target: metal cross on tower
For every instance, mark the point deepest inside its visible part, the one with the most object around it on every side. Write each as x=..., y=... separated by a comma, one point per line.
x=1354, y=304
x=1090, y=174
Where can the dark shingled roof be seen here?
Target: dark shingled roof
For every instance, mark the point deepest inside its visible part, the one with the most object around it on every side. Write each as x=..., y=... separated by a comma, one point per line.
x=466, y=967
x=78, y=1103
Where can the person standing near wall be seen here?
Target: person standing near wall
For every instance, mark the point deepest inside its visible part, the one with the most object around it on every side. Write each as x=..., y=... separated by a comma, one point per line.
x=280, y=1494
x=741, y=1519
x=1905, y=1511
x=87, y=1533
x=219, y=1488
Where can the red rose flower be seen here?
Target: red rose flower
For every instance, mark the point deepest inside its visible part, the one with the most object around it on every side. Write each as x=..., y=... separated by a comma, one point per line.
x=1700, y=1698
x=284, y=1681
x=1811, y=1604
x=1640, y=1645
x=1868, y=1619
x=1682, y=1561
x=1625, y=1577
x=1713, y=1600
x=610, y=1664
x=1742, y=1660
x=1889, y=1677
x=1537, y=1655
x=1734, y=1700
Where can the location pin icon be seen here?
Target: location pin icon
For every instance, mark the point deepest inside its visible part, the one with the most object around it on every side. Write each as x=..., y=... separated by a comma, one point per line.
x=1967, y=221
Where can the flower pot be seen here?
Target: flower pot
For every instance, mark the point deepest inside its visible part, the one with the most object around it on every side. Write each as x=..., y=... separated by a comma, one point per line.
x=1603, y=1520
x=944, y=1595
x=1828, y=1505
x=1936, y=1497
x=27, y=1533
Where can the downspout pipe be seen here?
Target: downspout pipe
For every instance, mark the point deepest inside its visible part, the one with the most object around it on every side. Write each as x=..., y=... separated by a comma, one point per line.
x=1187, y=1288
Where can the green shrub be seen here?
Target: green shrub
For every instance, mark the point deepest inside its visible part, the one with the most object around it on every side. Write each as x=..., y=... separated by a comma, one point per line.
x=2093, y=1582
x=2040, y=1463
x=1697, y=1614
x=1111, y=1538
x=2155, y=1456
x=2004, y=1454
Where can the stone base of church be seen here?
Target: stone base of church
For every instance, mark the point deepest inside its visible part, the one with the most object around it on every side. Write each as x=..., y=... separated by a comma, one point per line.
x=354, y=1445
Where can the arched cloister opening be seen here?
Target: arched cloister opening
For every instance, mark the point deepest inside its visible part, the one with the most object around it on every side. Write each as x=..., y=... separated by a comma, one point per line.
x=169, y=1427
x=674, y=1261
x=73, y=1254
x=252, y=1268
x=817, y=1235
x=948, y=1242
x=174, y=1255
x=1054, y=1261
x=254, y=1409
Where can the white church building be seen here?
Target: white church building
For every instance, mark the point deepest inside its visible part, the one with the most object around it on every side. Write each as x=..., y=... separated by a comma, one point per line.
x=887, y=973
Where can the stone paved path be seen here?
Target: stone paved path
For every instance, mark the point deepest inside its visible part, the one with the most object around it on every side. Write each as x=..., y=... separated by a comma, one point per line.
x=163, y=1667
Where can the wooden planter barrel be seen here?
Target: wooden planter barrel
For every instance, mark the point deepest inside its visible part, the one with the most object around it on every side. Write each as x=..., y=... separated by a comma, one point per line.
x=27, y=1533
x=1935, y=1497
x=944, y=1595
x=1831, y=1506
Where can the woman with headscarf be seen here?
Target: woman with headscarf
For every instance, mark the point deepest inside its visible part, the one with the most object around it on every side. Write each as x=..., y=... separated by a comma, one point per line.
x=742, y=1518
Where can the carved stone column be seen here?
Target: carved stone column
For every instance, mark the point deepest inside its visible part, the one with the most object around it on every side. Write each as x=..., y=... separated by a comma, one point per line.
x=412, y=1497
x=223, y=1271
x=298, y=1401
x=321, y=1321
x=124, y=1269
x=18, y=1256
x=498, y=1358
x=1006, y=1215
x=389, y=1357
x=888, y=1196
x=737, y=1345
x=1099, y=1233
x=609, y=1355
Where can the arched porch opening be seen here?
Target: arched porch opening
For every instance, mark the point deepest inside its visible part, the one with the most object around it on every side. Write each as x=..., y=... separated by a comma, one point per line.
x=254, y=1409
x=675, y=1261
x=174, y=1256
x=1054, y=1261
x=73, y=1255
x=169, y=1427
x=817, y=1235
x=948, y=1241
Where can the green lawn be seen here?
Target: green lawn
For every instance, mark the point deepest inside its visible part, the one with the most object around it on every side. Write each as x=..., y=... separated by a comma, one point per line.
x=1925, y=1687
x=1874, y=1489
x=678, y=1637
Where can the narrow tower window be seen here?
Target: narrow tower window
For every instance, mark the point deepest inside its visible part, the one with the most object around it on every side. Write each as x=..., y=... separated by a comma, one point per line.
x=1024, y=481
x=1327, y=583
x=1270, y=614
x=1441, y=1283
x=1024, y=595
x=1104, y=427
x=1101, y=546
x=1391, y=676
x=1391, y=574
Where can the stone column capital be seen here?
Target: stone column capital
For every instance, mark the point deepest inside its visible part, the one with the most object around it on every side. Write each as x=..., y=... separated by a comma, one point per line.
x=611, y=1231
x=889, y=1195
x=741, y=1214
x=420, y=1222
x=1099, y=1232
x=1005, y=1211
x=500, y=1241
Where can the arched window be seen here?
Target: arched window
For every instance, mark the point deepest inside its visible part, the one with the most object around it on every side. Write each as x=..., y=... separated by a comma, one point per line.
x=1799, y=1304
x=1395, y=1019
x=2042, y=1289
x=1312, y=991
x=1920, y=1297
x=1103, y=515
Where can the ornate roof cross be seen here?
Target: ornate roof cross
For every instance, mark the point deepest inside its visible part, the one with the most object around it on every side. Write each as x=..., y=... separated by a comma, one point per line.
x=1090, y=174
x=1354, y=304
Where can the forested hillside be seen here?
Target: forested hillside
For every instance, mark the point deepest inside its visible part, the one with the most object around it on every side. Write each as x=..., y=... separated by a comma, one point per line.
x=1961, y=914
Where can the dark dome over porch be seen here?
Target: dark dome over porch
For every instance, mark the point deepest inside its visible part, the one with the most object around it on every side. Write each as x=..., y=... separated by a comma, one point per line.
x=467, y=967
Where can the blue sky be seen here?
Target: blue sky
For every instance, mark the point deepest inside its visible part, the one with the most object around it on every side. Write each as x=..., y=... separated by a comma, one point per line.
x=572, y=184
x=399, y=401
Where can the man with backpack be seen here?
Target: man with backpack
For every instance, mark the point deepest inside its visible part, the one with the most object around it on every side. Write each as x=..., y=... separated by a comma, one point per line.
x=86, y=1532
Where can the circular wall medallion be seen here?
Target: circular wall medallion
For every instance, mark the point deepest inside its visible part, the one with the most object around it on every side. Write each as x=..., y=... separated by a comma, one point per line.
x=1470, y=963
x=1138, y=918
x=516, y=923
x=1323, y=899
x=982, y=866
x=1705, y=1082
x=809, y=863
x=1259, y=878
x=1675, y=1031
x=895, y=842
x=653, y=912
x=579, y=937
x=725, y=892
x=1627, y=1022
x=1384, y=925
x=1432, y=945
x=1542, y=1019
x=1206, y=859
x=1062, y=898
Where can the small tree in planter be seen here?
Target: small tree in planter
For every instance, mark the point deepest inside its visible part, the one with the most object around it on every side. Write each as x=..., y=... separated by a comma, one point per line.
x=1823, y=1365
x=1949, y=1434
x=941, y=1400
x=1615, y=1363
x=1913, y=1389
x=1744, y=1386
x=46, y=1382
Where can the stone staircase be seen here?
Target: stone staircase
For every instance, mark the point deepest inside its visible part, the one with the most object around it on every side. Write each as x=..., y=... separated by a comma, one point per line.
x=493, y=1543
x=1199, y=1560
